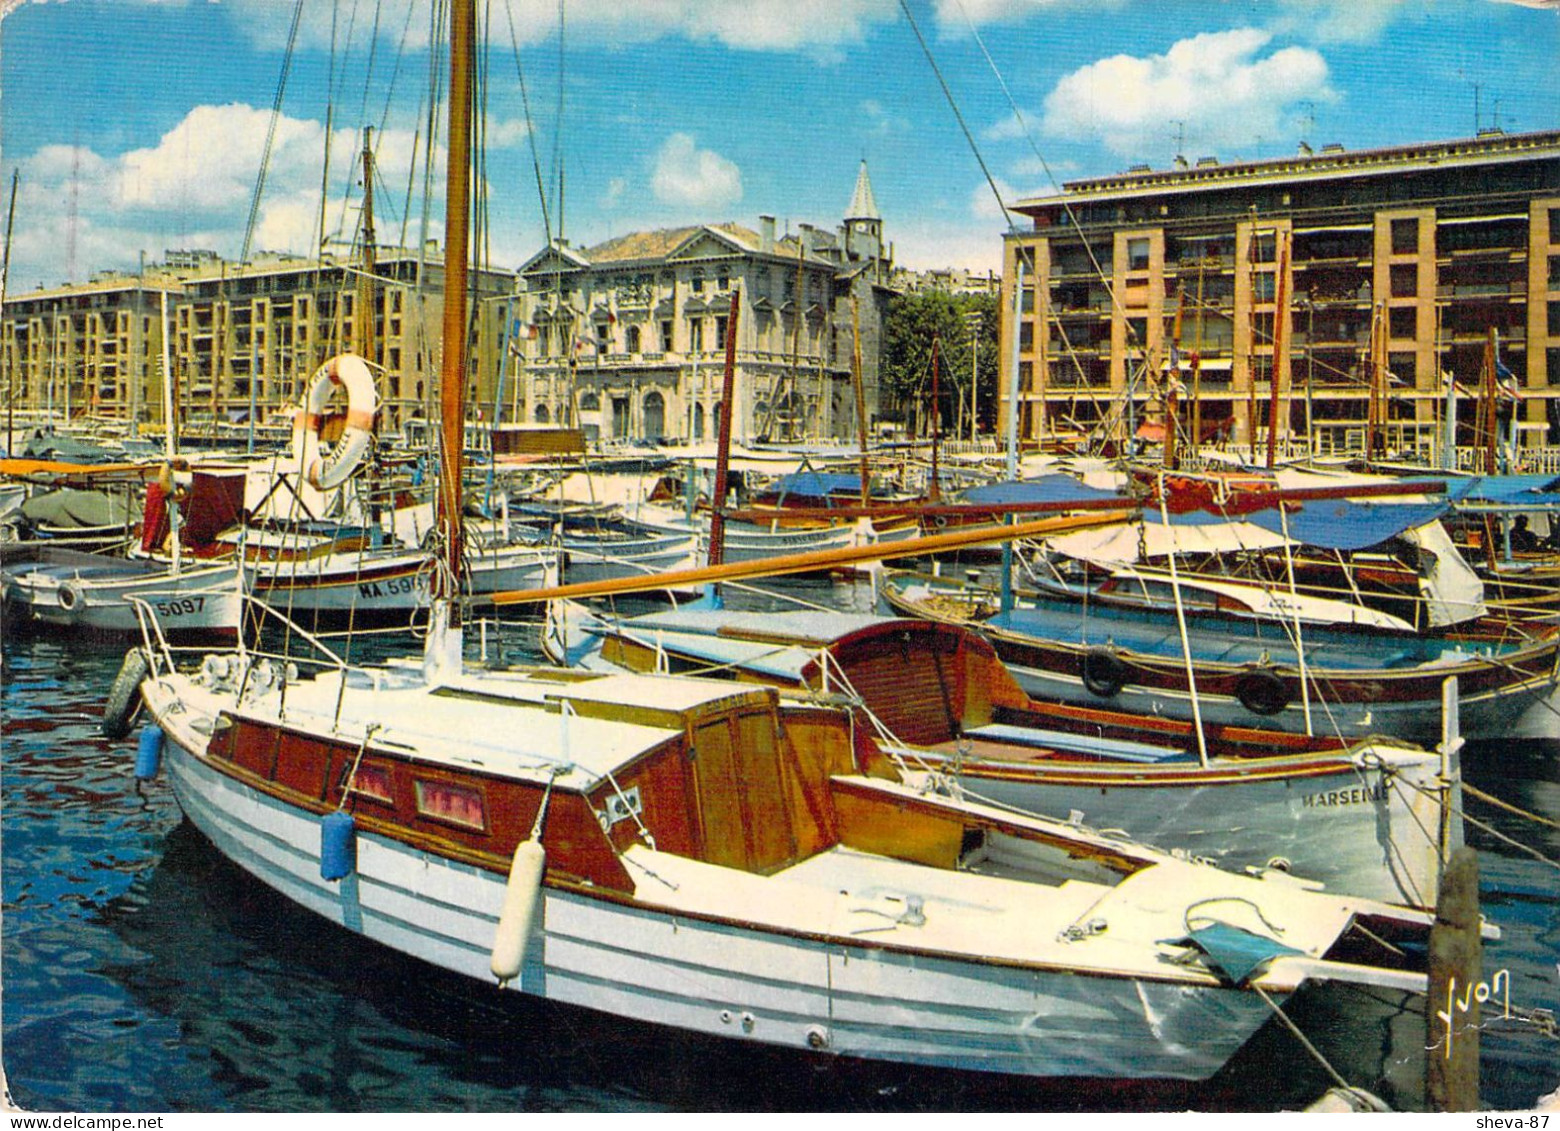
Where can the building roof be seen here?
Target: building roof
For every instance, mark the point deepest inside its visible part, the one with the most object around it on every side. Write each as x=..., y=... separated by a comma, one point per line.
x=662, y=242
x=862, y=205
x=1330, y=163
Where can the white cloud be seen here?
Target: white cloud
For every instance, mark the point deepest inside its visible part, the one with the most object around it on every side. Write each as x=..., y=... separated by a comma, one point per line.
x=193, y=189
x=1217, y=84
x=687, y=175
x=1337, y=21
x=928, y=244
x=502, y=135
x=876, y=119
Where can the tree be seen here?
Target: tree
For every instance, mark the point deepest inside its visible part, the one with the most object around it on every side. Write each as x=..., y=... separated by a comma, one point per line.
x=905, y=360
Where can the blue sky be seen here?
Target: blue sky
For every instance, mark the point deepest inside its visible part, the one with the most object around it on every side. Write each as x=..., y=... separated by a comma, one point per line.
x=139, y=125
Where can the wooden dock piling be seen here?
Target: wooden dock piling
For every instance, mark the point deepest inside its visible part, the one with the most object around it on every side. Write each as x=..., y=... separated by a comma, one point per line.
x=1452, y=1011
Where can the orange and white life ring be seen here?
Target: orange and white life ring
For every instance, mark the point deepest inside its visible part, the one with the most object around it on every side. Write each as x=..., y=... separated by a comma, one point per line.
x=351, y=372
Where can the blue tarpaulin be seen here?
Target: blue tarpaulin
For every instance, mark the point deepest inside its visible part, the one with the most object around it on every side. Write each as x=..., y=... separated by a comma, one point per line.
x=1342, y=524
x=1508, y=490
x=1045, y=489
x=1233, y=953
x=816, y=485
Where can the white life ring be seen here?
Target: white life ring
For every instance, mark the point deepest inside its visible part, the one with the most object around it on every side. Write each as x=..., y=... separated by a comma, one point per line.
x=346, y=370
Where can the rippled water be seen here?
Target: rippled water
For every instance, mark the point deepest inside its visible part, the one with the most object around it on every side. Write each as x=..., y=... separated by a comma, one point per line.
x=142, y=972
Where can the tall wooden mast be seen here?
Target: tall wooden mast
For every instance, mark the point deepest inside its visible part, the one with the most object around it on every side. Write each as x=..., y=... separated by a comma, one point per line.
x=444, y=640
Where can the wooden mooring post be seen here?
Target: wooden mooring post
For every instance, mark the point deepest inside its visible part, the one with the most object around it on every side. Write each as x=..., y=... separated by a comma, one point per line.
x=1452, y=1011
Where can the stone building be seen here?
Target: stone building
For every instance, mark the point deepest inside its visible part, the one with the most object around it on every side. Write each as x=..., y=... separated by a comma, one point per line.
x=626, y=338
x=1436, y=243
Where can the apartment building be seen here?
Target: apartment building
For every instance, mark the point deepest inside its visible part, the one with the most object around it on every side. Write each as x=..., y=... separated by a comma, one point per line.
x=627, y=338
x=242, y=339
x=1122, y=279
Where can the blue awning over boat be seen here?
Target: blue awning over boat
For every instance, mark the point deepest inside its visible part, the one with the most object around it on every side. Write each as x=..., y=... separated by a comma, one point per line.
x=816, y=485
x=1508, y=490
x=1344, y=524
x=1044, y=489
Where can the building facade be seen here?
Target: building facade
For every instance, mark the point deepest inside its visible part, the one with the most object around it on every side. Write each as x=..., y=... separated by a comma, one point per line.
x=1120, y=279
x=627, y=339
x=242, y=339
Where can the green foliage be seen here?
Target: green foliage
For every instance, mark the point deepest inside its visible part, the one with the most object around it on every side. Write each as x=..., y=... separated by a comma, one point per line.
x=905, y=359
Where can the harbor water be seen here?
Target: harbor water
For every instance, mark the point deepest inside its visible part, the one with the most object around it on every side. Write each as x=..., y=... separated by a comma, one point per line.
x=142, y=972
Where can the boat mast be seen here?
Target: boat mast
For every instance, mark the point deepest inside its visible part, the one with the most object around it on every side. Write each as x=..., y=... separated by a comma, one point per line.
x=861, y=398
x=444, y=635
x=1280, y=344
x=936, y=416
x=5, y=276
x=723, y=441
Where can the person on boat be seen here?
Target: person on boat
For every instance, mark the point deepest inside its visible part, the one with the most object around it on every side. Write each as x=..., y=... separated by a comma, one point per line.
x=1523, y=540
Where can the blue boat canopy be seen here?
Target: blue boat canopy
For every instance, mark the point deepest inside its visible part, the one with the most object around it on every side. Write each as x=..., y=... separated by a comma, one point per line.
x=1044, y=489
x=816, y=485
x=1508, y=490
x=1343, y=524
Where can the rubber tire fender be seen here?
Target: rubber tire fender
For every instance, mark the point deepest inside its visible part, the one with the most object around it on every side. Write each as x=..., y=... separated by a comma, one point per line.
x=1262, y=692
x=124, y=695
x=1104, y=673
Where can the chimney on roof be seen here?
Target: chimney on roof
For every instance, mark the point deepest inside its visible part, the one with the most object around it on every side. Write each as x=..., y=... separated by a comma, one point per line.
x=1181, y=162
x=1305, y=148
x=766, y=233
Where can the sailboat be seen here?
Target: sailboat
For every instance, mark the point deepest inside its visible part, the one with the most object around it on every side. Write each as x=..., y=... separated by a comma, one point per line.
x=699, y=855
x=1372, y=818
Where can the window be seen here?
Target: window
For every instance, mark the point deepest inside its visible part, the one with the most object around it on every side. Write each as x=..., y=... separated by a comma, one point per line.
x=633, y=339
x=603, y=336
x=1137, y=254
x=696, y=334
x=1405, y=236
x=720, y=331
x=372, y=782
x=666, y=335
x=1403, y=321
x=1405, y=280
x=696, y=282
x=1262, y=286
x=453, y=804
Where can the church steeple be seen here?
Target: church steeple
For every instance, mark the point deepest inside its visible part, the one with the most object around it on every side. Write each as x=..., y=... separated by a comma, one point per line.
x=863, y=226
x=862, y=206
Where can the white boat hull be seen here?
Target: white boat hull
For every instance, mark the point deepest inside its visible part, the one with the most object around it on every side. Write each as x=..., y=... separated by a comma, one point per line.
x=1367, y=830
x=203, y=600
x=387, y=585
x=720, y=979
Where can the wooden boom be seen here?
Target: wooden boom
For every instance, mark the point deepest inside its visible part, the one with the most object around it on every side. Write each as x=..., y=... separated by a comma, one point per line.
x=815, y=559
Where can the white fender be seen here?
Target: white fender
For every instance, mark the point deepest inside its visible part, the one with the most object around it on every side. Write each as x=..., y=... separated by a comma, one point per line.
x=514, y=920
x=346, y=370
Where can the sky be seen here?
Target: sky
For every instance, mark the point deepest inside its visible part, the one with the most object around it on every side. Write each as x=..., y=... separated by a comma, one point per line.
x=138, y=126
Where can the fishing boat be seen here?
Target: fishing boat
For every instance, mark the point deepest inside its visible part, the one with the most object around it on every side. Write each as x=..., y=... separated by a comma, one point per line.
x=52, y=584
x=694, y=854
x=70, y=589
x=1371, y=818
x=1351, y=681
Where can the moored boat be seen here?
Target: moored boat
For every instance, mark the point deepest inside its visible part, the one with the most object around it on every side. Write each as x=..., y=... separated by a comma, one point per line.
x=1371, y=817
x=1357, y=681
